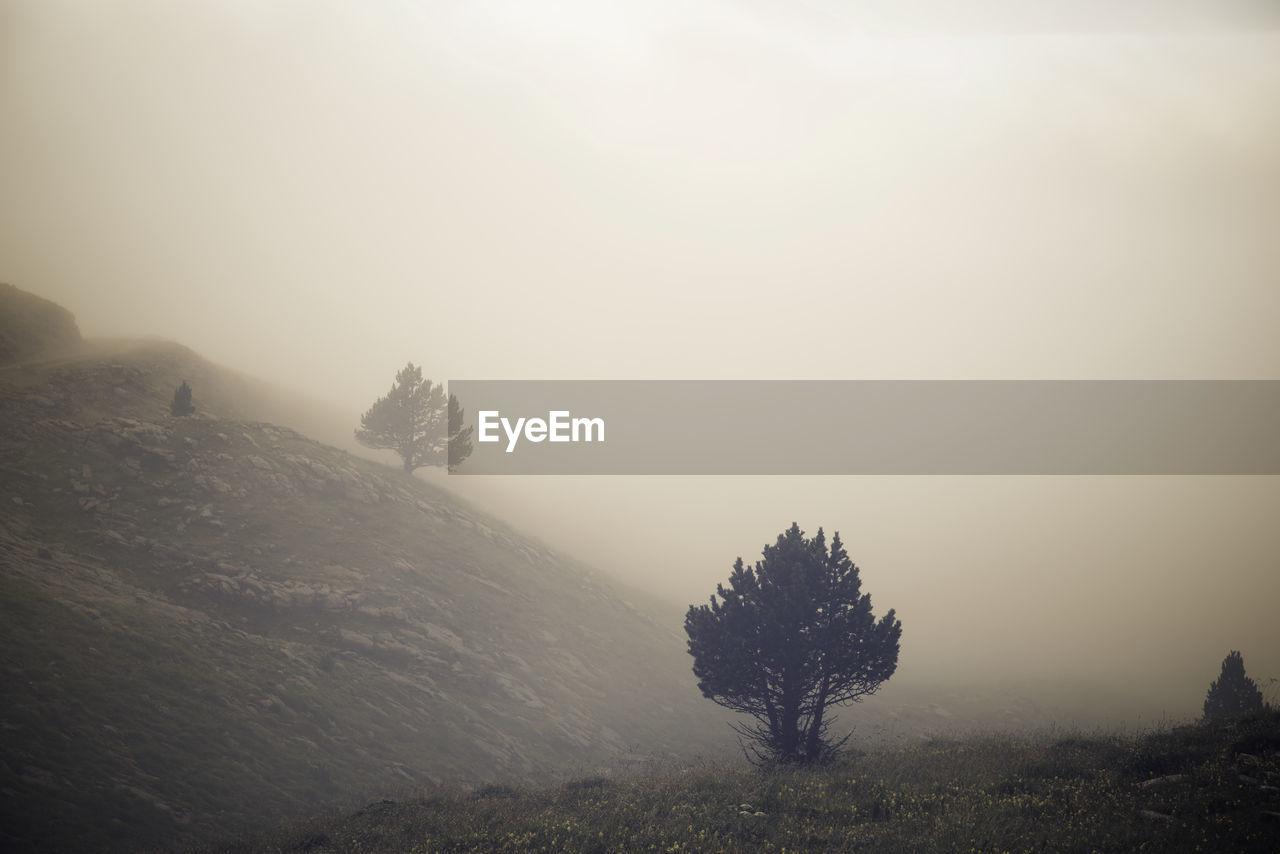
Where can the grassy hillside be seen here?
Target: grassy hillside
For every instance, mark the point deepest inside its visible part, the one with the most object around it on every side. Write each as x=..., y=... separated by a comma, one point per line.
x=1211, y=788
x=211, y=623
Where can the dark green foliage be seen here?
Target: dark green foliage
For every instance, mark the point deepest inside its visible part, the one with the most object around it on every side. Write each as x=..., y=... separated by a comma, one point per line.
x=459, y=438
x=1232, y=693
x=417, y=422
x=792, y=637
x=181, y=404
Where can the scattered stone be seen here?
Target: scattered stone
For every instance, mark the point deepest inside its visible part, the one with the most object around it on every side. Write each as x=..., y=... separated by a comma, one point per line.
x=158, y=459
x=1252, y=781
x=1155, y=816
x=356, y=639
x=17, y=500
x=39, y=776
x=259, y=463
x=213, y=483
x=1156, y=781
x=112, y=536
x=1247, y=759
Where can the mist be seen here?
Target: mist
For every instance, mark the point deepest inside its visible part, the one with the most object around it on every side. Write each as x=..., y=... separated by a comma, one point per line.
x=316, y=193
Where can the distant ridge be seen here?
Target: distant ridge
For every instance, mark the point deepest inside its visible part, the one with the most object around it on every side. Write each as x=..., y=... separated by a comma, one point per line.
x=31, y=325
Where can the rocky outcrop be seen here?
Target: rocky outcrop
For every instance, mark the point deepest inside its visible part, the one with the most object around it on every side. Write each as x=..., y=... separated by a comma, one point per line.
x=32, y=326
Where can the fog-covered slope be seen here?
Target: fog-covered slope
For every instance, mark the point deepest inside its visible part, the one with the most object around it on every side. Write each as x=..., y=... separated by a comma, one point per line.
x=209, y=623
x=31, y=325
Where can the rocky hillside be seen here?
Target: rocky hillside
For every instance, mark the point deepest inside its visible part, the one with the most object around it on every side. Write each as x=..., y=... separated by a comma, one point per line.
x=30, y=326
x=213, y=623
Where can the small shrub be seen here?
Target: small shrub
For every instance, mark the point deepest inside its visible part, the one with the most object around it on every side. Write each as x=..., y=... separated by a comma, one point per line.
x=588, y=783
x=497, y=790
x=1232, y=693
x=181, y=404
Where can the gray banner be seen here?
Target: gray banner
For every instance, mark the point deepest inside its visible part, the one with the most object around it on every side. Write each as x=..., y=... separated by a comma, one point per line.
x=872, y=427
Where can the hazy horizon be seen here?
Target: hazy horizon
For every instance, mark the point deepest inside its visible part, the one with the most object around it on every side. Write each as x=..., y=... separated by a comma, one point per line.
x=317, y=193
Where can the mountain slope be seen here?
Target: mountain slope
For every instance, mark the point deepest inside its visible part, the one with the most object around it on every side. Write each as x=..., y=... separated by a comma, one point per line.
x=31, y=325
x=211, y=623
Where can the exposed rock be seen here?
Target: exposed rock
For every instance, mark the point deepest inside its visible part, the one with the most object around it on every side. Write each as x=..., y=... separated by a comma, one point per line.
x=260, y=463
x=1158, y=781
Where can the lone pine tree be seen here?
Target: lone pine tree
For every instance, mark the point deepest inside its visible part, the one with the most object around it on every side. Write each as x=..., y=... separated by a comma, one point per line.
x=417, y=422
x=181, y=403
x=793, y=636
x=1232, y=693
x=459, y=439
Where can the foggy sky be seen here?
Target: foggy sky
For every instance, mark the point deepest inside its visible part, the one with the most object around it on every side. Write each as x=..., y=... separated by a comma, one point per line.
x=318, y=192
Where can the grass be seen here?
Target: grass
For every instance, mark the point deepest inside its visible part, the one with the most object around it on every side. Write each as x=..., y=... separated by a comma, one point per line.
x=1070, y=793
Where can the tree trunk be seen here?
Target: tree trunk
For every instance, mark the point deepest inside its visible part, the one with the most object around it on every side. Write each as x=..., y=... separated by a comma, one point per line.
x=789, y=722
x=813, y=739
